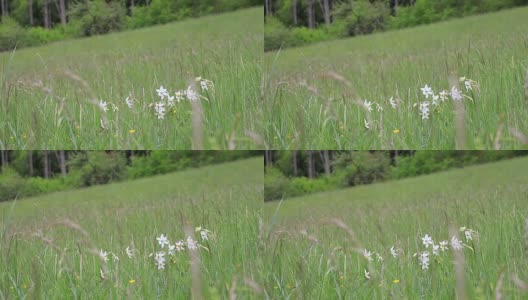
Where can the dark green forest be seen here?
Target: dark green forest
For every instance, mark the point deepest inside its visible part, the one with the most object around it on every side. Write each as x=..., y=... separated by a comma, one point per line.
x=295, y=173
x=297, y=22
x=34, y=22
x=29, y=173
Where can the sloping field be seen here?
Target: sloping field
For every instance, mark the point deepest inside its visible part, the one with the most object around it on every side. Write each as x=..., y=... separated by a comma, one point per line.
x=51, y=246
x=51, y=95
x=317, y=243
x=316, y=94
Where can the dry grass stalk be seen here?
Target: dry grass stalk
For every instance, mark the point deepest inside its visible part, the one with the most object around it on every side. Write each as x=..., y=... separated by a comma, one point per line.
x=254, y=286
x=496, y=143
x=526, y=86
x=340, y=224
x=526, y=234
x=197, y=120
x=498, y=288
x=460, y=112
x=519, y=283
x=337, y=77
x=519, y=135
x=232, y=290
x=196, y=281
x=257, y=139
x=459, y=269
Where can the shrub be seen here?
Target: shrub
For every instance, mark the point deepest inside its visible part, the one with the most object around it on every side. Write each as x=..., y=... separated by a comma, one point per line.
x=303, y=35
x=362, y=17
x=275, y=184
x=275, y=34
x=363, y=168
x=96, y=167
x=10, y=184
x=97, y=17
x=11, y=35
x=37, y=185
x=38, y=35
x=303, y=185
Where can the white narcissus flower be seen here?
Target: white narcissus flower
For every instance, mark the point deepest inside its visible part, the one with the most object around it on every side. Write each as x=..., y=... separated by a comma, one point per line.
x=191, y=94
x=204, y=233
x=456, y=95
x=115, y=257
x=427, y=240
x=443, y=95
x=114, y=107
x=424, y=260
x=129, y=252
x=467, y=84
x=444, y=245
x=180, y=246
x=159, y=109
x=435, y=100
x=104, y=255
x=367, y=254
x=392, y=102
x=436, y=249
x=424, y=110
x=368, y=105
x=395, y=252
x=162, y=240
x=160, y=260
x=379, y=107
x=204, y=83
x=129, y=102
x=180, y=95
x=379, y=257
x=191, y=244
x=162, y=92
x=468, y=233
x=367, y=125
x=456, y=244
x=170, y=101
x=426, y=91
x=367, y=274
x=103, y=105
x=171, y=249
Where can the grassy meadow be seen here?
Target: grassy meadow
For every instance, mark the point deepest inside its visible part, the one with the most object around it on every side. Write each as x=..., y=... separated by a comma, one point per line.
x=315, y=95
x=50, y=245
x=315, y=244
x=50, y=96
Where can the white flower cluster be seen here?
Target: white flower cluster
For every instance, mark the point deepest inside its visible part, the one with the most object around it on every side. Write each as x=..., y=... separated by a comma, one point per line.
x=442, y=246
x=171, y=99
x=456, y=95
x=167, y=100
x=163, y=242
x=432, y=249
x=178, y=246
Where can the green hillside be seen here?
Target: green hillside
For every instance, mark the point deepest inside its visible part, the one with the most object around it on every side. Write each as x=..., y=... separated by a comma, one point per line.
x=51, y=95
x=50, y=245
x=316, y=94
x=317, y=242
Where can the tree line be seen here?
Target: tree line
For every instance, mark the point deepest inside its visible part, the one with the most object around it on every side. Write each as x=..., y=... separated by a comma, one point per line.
x=28, y=173
x=32, y=22
x=294, y=173
x=295, y=22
